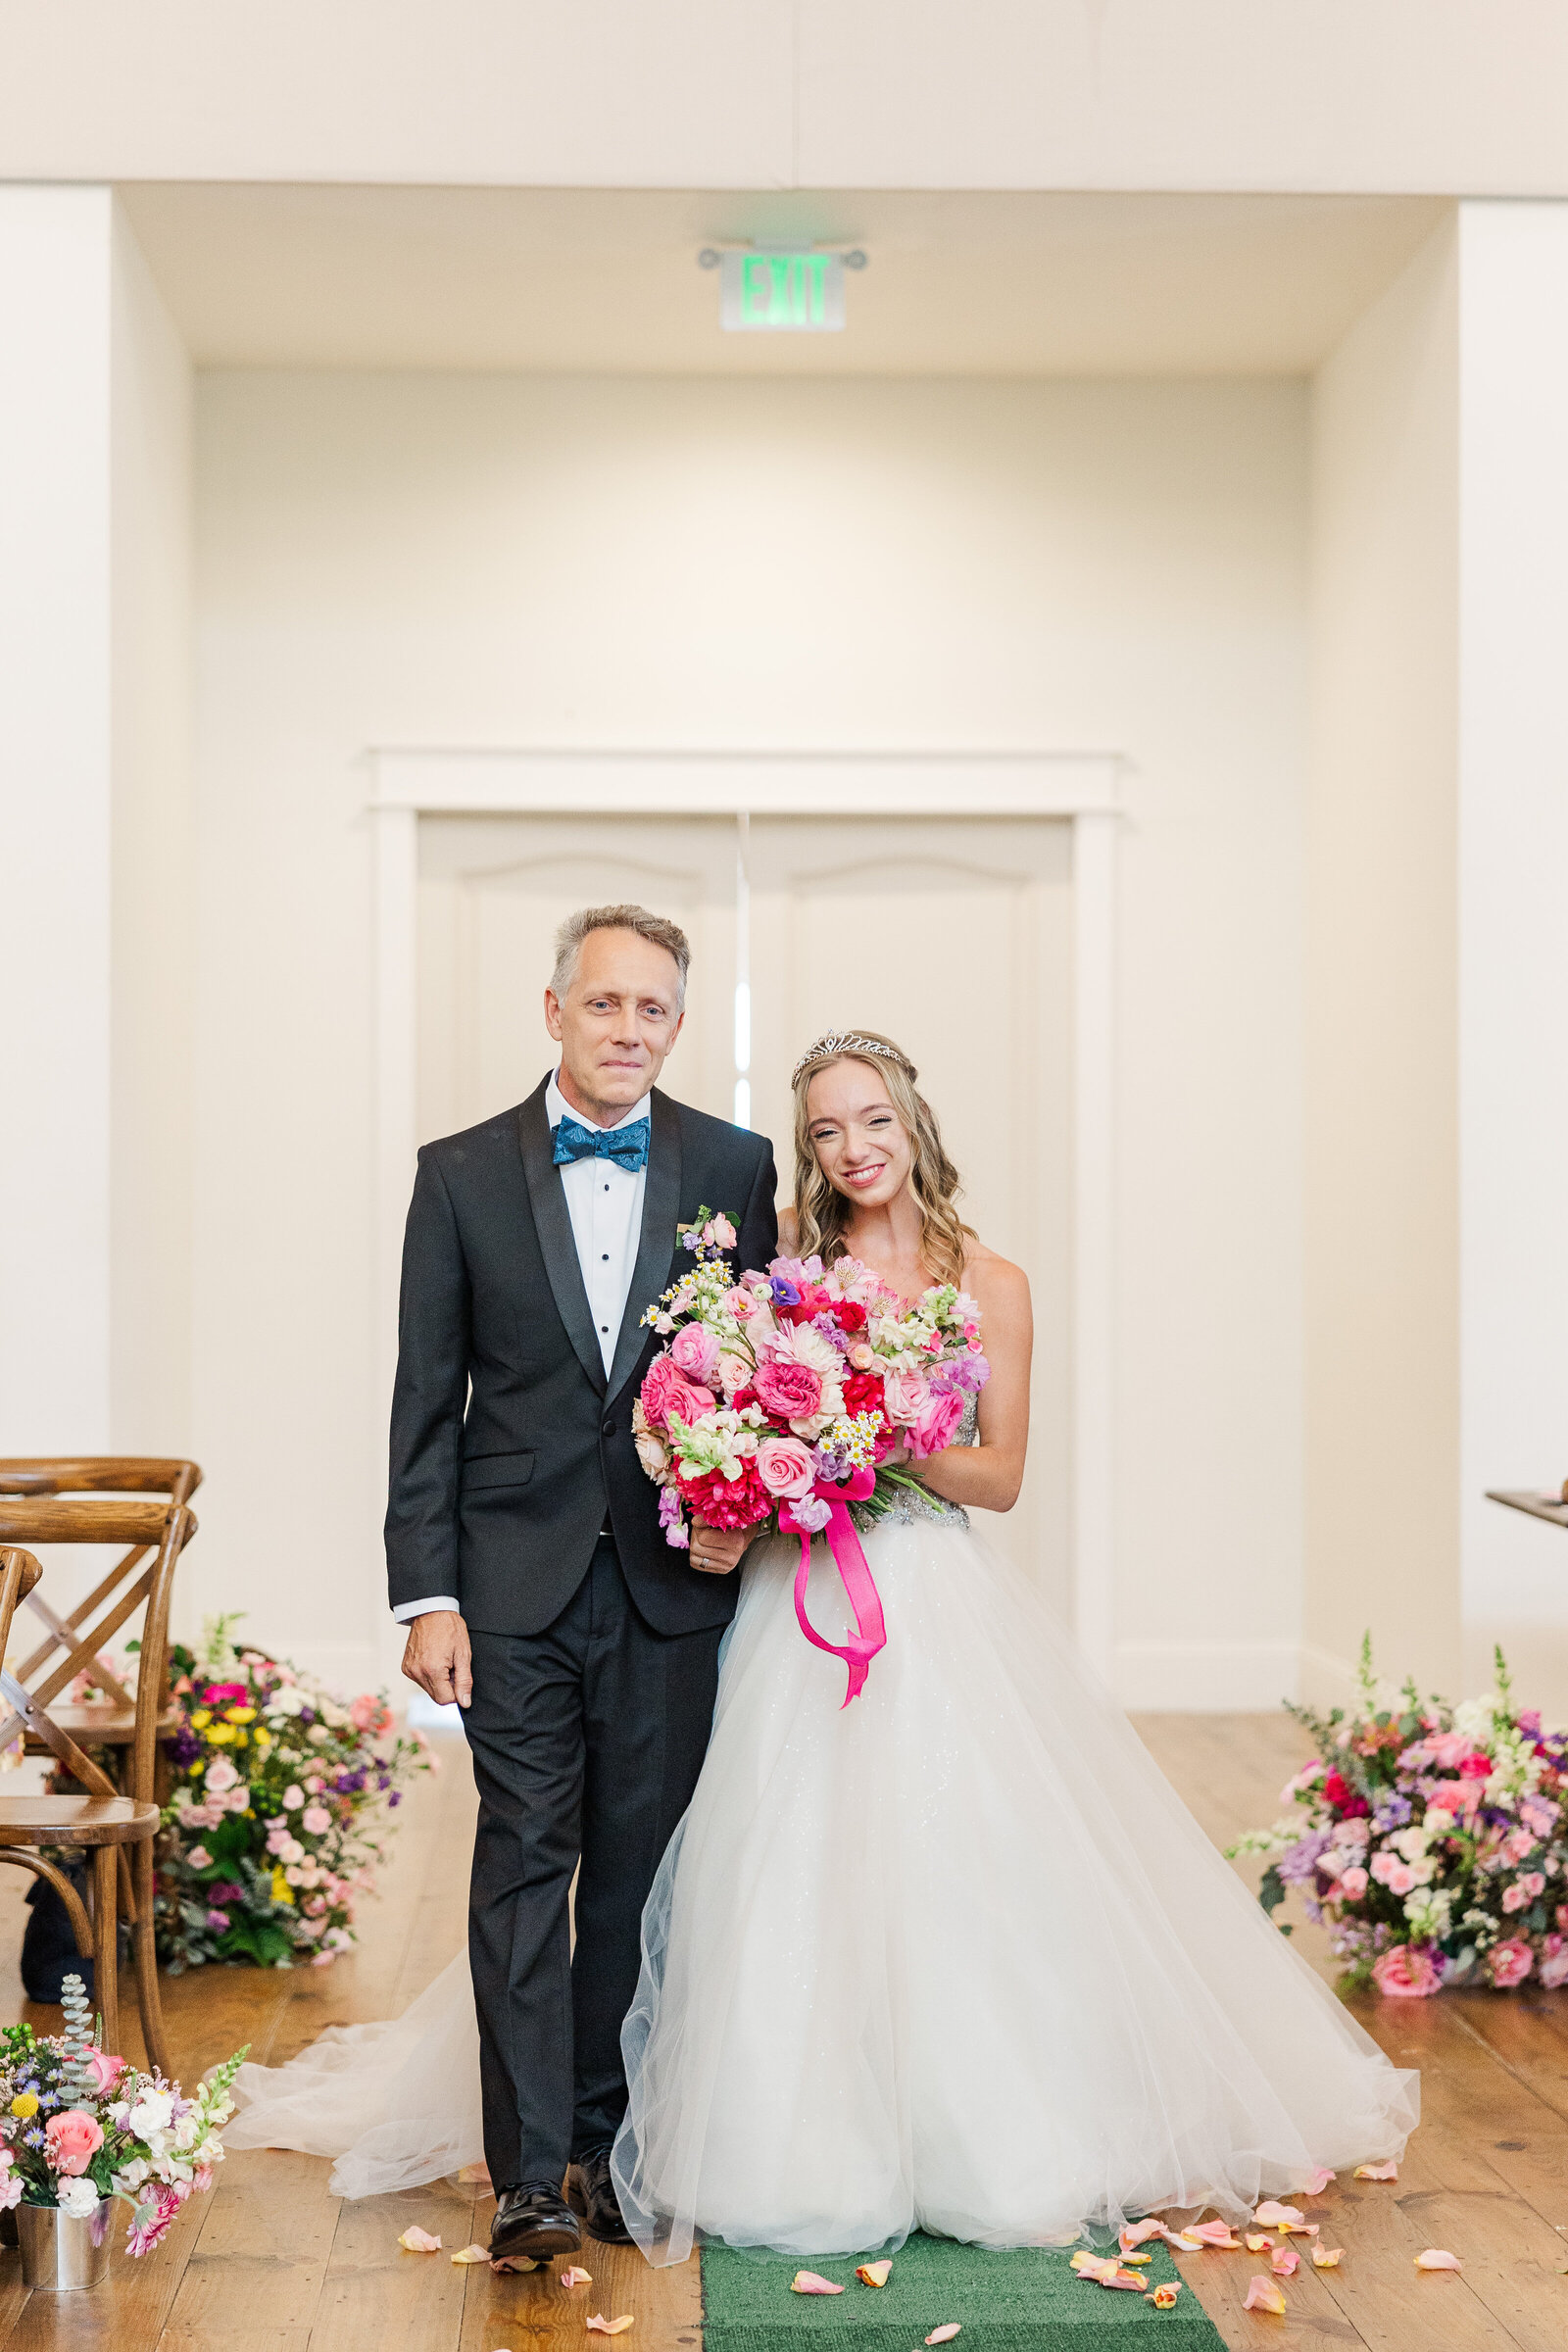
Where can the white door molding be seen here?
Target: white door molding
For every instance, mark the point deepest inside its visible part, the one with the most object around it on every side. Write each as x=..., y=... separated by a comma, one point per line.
x=1079, y=787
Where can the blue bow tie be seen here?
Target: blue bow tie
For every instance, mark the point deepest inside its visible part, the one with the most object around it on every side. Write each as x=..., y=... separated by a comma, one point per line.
x=627, y=1147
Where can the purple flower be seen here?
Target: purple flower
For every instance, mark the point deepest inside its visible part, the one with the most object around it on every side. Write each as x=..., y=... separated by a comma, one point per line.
x=1299, y=1866
x=810, y=1512
x=183, y=1748
x=395, y=1798
x=784, y=1292
x=217, y=1921
x=1393, y=1812
x=691, y=1239
x=1530, y=1722
x=225, y=1892
x=830, y=1330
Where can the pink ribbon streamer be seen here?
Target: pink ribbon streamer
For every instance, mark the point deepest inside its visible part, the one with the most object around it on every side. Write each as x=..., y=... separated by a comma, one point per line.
x=853, y=1569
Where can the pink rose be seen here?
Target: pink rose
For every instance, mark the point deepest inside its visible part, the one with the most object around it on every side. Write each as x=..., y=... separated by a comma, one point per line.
x=199, y=1858
x=719, y=1233
x=368, y=1714
x=936, y=1425
x=1517, y=1845
x=665, y=1390
x=316, y=1820
x=787, y=1389
x=220, y=1774
x=1524, y=1891
x=904, y=1395
x=105, y=2069
x=71, y=2139
x=862, y=1358
x=741, y=1303
x=1354, y=1882
x=1510, y=1963
x=1408, y=1972
x=1554, y=1965
x=694, y=1352
x=785, y=1467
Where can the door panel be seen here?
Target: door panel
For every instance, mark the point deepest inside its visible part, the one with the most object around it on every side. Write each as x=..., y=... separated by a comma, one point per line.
x=954, y=937
x=492, y=892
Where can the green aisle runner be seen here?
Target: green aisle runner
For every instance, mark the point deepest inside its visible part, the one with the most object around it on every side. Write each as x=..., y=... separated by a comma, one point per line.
x=1027, y=2301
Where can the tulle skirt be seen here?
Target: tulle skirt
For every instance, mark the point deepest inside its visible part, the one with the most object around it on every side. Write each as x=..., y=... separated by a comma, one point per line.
x=956, y=1957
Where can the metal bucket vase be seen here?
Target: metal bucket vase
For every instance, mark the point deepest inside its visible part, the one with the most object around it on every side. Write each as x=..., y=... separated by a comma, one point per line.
x=64, y=2249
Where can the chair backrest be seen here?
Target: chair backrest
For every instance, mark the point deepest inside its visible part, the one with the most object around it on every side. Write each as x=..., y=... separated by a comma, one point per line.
x=99, y=1474
x=161, y=1528
x=19, y=1573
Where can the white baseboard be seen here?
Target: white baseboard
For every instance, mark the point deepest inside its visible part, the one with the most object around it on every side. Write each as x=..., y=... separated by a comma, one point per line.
x=1206, y=1678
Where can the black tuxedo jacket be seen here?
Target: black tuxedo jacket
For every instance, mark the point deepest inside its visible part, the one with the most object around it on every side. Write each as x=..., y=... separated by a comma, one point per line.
x=509, y=1443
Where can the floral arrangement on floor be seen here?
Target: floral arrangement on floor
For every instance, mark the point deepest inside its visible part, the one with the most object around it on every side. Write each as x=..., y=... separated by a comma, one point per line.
x=778, y=1386
x=277, y=1820
x=1435, y=1842
x=79, y=2128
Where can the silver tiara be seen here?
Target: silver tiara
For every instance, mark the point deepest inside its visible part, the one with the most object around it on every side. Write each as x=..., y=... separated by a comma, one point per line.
x=842, y=1041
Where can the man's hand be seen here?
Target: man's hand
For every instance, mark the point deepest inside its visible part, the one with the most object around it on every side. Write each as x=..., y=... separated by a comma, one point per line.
x=717, y=1551
x=437, y=1657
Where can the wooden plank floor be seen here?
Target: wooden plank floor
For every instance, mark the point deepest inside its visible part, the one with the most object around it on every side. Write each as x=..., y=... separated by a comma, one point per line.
x=270, y=2262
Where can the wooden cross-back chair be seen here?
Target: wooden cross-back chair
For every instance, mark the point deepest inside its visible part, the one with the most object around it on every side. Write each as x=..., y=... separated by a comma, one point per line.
x=100, y=1823
x=101, y=1501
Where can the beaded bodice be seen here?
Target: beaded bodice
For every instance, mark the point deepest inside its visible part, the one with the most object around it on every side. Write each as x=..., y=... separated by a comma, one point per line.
x=911, y=1508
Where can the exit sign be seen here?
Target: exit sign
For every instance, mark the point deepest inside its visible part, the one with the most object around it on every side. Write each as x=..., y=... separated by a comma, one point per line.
x=782, y=293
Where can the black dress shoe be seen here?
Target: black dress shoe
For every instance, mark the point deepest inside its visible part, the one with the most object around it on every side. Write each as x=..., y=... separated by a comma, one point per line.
x=532, y=2223
x=591, y=2192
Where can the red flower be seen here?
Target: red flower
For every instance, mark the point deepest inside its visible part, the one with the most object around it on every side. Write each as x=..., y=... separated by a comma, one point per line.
x=1344, y=1798
x=727, y=1501
x=862, y=1393
x=850, y=1315
x=1476, y=1768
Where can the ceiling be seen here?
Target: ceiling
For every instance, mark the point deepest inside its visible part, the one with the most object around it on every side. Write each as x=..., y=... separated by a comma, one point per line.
x=607, y=281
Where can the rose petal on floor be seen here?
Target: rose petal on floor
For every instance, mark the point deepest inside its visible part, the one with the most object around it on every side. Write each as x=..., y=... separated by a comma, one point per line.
x=573, y=2277
x=1096, y=2268
x=1263, y=2295
x=1316, y=2181
x=1285, y=2262
x=1131, y=2260
x=600, y=2325
x=1164, y=2297
x=1271, y=2215
x=1123, y=2279
x=810, y=2282
x=1259, y=2241
x=504, y=2265
x=472, y=2254
x=1184, y=2241
x=944, y=2335
x=1438, y=2258
x=1326, y=2258
x=1134, y=2234
x=1215, y=2233
x=1378, y=2172
x=1299, y=2229
x=419, y=2241
x=874, y=2273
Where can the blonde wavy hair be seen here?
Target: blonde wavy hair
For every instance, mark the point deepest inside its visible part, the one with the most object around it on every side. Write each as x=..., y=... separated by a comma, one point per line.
x=822, y=1210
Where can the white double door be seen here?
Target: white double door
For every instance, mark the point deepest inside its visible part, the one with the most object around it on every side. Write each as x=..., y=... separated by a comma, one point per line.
x=952, y=934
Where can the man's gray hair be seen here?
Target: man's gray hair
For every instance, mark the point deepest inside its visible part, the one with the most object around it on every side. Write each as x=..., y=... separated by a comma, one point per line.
x=657, y=929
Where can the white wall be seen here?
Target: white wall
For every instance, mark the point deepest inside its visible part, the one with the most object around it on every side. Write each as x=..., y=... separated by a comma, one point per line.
x=424, y=560
x=1347, y=95
x=1513, y=936
x=153, y=867
x=1381, y=1169
x=54, y=552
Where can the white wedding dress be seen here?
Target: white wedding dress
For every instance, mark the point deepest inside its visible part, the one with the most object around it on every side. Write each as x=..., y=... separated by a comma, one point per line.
x=952, y=1957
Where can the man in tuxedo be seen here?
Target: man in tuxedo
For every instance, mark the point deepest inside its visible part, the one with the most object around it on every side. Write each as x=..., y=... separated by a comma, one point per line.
x=525, y=1548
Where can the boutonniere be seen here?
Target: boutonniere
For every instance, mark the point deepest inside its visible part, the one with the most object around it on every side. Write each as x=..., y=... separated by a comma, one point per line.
x=708, y=1233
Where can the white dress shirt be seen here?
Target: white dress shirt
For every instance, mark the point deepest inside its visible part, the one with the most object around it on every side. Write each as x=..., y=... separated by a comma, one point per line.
x=604, y=1203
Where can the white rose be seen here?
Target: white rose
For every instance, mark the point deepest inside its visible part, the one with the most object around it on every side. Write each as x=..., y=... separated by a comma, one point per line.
x=153, y=2111
x=287, y=1701
x=79, y=2198
x=318, y=1732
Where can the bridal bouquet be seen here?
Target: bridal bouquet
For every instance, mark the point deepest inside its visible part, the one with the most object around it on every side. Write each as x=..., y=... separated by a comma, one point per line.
x=1435, y=1841
x=276, y=1822
x=79, y=2128
x=792, y=1396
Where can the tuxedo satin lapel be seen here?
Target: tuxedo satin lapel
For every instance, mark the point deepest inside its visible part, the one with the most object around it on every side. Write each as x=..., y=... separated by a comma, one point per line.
x=553, y=1219
x=656, y=1249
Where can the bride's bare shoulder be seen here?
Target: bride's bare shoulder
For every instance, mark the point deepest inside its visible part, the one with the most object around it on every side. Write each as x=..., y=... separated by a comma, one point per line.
x=994, y=1281
x=789, y=1229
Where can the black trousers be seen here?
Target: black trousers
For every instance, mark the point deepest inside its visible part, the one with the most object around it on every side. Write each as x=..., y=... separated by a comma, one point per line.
x=587, y=1740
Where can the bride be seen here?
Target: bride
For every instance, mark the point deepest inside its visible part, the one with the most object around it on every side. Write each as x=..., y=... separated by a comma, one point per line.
x=952, y=1958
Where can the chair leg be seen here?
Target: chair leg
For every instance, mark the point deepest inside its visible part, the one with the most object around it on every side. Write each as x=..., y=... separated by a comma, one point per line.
x=106, y=1944
x=145, y=1948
